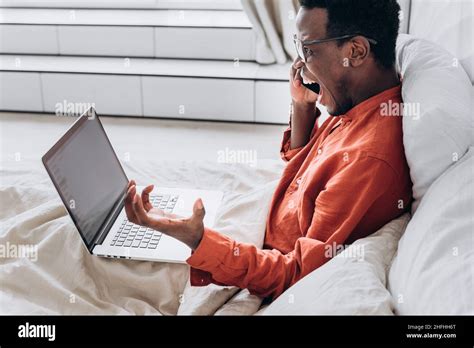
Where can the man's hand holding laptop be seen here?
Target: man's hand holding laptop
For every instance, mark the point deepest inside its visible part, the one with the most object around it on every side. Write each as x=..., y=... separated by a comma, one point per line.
x=141, y=212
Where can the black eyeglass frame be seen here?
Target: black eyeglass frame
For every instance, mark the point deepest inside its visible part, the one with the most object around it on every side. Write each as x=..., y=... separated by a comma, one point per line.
x=299, y=44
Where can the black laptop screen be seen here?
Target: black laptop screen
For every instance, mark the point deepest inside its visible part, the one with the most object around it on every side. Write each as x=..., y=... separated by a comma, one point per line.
x=87, y=175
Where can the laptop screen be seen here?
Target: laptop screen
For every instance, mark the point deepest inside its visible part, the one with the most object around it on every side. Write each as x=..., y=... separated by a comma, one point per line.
x=87, y=175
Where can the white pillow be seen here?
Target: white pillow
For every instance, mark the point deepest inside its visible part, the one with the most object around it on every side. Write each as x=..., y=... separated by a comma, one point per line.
x=348, y=283
x=440, y=133
x=434, y=269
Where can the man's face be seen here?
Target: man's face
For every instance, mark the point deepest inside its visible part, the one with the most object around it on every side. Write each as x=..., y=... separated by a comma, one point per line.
x=326, y=64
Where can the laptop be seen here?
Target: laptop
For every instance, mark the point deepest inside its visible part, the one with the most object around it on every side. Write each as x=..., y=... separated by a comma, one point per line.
x=93, y=186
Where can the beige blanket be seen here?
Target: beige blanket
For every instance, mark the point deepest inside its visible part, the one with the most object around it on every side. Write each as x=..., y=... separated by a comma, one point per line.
x=45, y=269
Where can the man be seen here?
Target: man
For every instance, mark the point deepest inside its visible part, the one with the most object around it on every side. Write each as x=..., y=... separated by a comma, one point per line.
x=344, y=179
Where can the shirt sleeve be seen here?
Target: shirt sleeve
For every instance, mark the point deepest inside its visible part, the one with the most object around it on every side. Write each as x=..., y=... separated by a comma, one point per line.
x=286, y=152
x=268, y=273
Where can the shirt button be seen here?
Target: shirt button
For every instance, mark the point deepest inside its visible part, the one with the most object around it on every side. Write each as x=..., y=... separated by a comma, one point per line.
x=320, y=151
x=298, y=181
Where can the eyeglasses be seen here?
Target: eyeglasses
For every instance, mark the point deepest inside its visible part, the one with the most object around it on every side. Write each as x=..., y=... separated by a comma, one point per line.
x=304, y=52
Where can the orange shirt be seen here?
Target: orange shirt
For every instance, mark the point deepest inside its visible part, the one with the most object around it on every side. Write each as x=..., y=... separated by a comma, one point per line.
x=347, y=182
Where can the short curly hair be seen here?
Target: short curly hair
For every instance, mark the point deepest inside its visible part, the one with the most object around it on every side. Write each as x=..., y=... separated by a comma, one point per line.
x=376, y=19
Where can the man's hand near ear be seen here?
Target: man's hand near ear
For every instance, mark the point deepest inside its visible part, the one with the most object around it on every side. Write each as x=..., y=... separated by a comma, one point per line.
x=304, y=112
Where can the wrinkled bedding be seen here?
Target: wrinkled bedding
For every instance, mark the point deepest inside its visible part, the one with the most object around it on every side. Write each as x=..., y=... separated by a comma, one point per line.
x=63, y=278
x=59, y=276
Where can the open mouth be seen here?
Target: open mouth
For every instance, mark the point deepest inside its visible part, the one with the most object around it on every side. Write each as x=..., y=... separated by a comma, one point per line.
x=306, y=80
x=313, y=85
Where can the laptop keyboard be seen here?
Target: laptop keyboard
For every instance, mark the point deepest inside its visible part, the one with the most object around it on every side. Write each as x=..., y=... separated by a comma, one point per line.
x=130, y=235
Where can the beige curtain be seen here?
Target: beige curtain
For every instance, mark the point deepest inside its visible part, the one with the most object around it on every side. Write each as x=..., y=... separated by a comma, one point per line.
x=274, y=24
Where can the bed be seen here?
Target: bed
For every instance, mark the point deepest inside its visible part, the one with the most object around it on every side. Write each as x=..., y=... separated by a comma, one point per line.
x=412, y=265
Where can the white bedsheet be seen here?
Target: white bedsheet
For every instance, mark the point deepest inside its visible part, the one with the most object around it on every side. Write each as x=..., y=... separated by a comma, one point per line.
x=65, y=279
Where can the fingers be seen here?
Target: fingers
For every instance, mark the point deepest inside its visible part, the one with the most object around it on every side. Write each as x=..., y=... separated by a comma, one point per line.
x=146, y=197
x=128, y=203
x=297, y=64
x=297, y=79
x=139, y=211
x=130, y=193
x=295, y=76
x=293, y=69
x=148, y=189
x=198, y=210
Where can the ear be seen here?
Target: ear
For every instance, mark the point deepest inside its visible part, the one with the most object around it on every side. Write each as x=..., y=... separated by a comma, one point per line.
x=358, y=50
